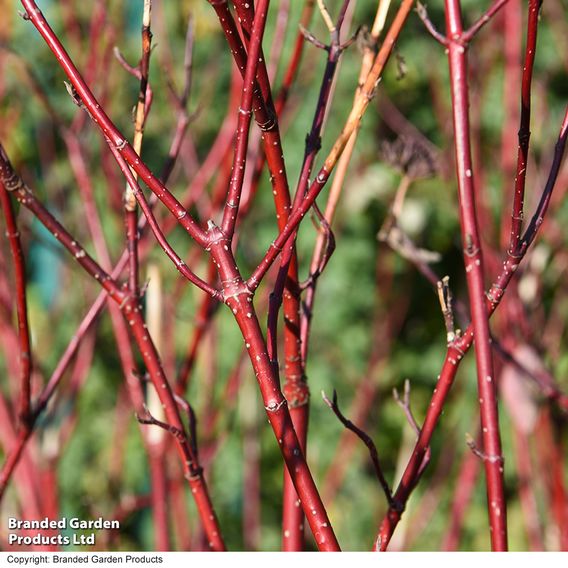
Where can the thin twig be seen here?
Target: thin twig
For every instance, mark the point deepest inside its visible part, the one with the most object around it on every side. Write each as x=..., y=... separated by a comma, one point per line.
x=446, y=304
x=479, y=453
x=366, y=439
x=148, y=419
x=155, y=227
x=362, y=100
x=326, y=17
x=108, y=128
x=404, y=403
x=423, y=15
x=469, y=34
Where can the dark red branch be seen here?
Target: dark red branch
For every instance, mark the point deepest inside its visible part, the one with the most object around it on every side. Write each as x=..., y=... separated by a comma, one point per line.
x=238, y=298
x=524, y=128
x=16, y=250
x=132, y=313
x=108, y=129
x=460, y=347
x=244, y=118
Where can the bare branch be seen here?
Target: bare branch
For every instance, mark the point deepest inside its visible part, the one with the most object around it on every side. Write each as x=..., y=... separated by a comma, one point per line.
x=446, y=303
x=423, y=15
x=472, y=445
x=469, y=34
x=366, y=439
x=404, y=403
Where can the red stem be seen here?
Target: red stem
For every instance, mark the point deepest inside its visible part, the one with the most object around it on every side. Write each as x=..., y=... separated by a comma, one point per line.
x=239, y=299
x=468, y=35
x=131, y=228
x=296, y=58
x=16, y=250
x=280, y=104
x=88, y=320
x=132, y=312
x=108, y=128
x=166, y=247
x=524, y=128
x=202, y=321
x=550, y=454
x=265, y=114
x=26, y=481
x=179, y=514
x=459, y=348
x=473, y=261
x=295, y=387
x=243, y=122
x=13, y=459
x=278, y=38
